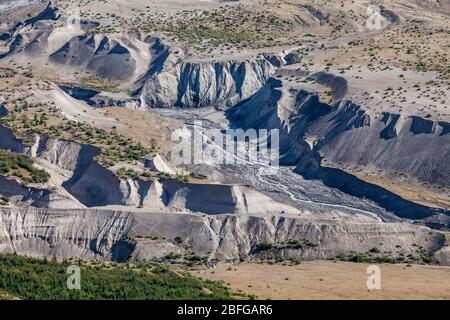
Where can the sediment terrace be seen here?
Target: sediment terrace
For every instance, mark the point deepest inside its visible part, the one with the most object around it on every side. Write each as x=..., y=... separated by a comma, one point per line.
x=119, y=235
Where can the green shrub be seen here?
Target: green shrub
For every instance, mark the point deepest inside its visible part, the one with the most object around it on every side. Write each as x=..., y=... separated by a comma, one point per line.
x=37, y=279
x=21, y=166
x=4, y=201
x=178, y=240
x=264, y=246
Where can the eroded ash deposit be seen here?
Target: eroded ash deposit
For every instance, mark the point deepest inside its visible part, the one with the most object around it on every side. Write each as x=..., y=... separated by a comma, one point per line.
x=364, y=144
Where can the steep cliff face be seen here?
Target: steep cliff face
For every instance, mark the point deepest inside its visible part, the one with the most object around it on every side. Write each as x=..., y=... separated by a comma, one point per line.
x=222, y=199
x=87, y=181
x=102, y=234
x=290, y=112
x=89, y=235
x=212, y=83
x=241, y=235
x=395, y=143
x=64, y=154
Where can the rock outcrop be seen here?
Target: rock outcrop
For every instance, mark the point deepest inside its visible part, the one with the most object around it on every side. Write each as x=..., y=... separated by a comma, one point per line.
x=34, y=232
x=212, y=83
x=158, y=164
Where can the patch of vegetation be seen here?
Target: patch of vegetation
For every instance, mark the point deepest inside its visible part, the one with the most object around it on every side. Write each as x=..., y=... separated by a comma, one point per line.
x=163, y=176
x=21, y=167
x=99, y=85
x=183, y=178
x=197, y=258
x=198, y=176
x=101, y=30
x=375, y=256
x=363, y=258
x=296, y=244
x=196, y=34
x=37, y=279
x=173, y=256
x=300, y=244
x=178, y=240
x=28, y=74
x=26, y=120
x=265, y=246
x=4, y=201
x=124, y=174
x=227, y=27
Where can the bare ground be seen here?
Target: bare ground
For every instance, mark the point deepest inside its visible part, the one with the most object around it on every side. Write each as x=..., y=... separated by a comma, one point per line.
x=333, y=280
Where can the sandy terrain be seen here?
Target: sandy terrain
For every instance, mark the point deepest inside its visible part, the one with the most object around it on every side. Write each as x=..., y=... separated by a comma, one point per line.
x=334, y=280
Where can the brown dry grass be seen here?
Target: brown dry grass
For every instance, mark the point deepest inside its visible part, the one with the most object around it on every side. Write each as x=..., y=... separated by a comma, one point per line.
x=146, y=127
x=333, y=280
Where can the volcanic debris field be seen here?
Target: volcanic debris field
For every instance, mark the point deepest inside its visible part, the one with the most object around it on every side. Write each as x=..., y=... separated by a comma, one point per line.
x=91, y=93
